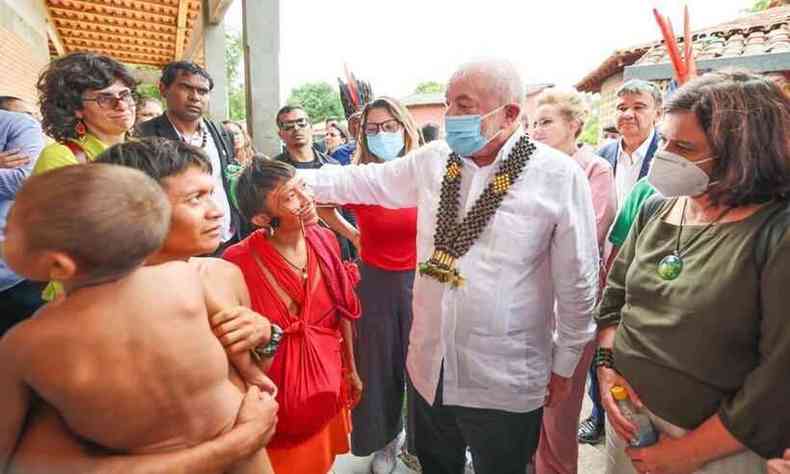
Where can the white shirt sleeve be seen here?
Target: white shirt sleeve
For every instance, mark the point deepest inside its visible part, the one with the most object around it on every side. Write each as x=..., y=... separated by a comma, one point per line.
x=393, y=184
x=574, y=268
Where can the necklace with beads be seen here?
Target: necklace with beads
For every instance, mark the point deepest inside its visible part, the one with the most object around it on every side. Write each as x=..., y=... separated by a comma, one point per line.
x=670, y=267
x=453, y=239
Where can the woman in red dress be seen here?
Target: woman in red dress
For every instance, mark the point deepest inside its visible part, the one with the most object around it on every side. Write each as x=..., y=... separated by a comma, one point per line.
x=296, y=278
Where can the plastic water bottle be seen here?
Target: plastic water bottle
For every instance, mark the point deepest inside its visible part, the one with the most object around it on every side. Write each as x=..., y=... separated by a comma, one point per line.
x=645, y=431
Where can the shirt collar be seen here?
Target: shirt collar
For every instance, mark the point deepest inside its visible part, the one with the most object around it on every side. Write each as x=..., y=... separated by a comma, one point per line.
x=503, y=152
x=641, y=151
x=91, y=145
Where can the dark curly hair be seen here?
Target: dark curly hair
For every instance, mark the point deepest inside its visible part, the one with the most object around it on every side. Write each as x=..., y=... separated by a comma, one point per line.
x=62, y=83
x=745, y=117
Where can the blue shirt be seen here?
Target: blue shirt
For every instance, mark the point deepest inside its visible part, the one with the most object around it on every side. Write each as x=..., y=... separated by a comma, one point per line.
x=17, y=132
x=344, y=152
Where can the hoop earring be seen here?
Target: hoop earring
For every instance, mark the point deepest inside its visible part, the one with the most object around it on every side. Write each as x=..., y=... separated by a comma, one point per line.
x=80, y=128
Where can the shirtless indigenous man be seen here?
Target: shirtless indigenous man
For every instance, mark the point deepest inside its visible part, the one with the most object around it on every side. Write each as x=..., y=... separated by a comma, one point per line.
x=127, y=358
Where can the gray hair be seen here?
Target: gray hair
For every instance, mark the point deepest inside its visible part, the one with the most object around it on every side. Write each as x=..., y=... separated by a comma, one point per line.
x=505, y=81
x=638, y=86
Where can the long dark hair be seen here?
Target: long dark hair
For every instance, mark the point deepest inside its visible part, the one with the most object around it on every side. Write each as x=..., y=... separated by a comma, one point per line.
x=62, y=83
x=746, y=118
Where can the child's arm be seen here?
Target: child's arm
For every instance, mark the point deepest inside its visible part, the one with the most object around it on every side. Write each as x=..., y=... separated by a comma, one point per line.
x=347, y=331
x=15, y=394
x=332, y=217
x=227, y=326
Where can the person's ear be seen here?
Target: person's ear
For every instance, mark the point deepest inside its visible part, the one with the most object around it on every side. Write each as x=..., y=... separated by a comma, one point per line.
x=61, y=266
x=162, y=90
x=512, y=113
x=261, y=220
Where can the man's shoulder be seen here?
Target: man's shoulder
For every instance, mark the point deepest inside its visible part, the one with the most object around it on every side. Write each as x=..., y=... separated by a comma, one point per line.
x=215, y=268
x=15, y=123
x=608, y=150
x=152, y=128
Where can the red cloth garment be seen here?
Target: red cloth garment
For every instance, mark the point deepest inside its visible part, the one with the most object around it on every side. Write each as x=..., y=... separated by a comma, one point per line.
x=308, y=365
x=388, y=236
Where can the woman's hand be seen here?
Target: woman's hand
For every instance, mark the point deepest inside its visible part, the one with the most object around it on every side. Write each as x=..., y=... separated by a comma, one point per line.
x=780, y=466
x=240, y=329
x=668, y=456
x=608, y=378
x=357, y=387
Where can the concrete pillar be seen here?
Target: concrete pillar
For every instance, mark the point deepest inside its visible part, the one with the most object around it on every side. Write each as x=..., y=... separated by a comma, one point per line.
x=262, y=71
x=214, y=48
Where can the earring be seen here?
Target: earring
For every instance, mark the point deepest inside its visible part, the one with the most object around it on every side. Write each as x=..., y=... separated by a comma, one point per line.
x=80, y=129
x=274, y=223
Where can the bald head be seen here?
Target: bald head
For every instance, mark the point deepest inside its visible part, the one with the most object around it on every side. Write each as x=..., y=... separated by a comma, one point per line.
x=494, y=80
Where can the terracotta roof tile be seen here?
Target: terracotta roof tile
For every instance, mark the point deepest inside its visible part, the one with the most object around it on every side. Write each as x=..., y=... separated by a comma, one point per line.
x=758, y=33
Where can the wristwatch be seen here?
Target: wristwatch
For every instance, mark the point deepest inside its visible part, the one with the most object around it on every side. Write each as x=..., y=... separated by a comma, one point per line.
x=268, y=350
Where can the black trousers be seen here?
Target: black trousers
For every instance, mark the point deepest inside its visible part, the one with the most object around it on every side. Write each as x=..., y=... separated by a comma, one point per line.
x=501, y=442
x=19, y=302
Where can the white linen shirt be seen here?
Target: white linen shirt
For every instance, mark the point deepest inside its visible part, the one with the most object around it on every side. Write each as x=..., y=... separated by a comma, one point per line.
x=626, y=173
x=494, y=334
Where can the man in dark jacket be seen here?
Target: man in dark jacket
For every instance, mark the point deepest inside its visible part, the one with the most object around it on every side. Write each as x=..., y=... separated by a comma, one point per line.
x=185, y=86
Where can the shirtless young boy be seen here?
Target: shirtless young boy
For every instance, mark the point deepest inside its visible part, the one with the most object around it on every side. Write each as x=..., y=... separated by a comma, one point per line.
x=128, y=358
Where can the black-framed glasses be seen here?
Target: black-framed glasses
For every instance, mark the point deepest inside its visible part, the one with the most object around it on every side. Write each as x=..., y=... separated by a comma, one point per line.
x=294, y=124
x=110, y=101
x=389, y=126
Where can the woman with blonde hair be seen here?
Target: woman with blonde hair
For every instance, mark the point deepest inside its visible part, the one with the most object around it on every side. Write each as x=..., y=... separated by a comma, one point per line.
x=389, y=256
x=558, y=123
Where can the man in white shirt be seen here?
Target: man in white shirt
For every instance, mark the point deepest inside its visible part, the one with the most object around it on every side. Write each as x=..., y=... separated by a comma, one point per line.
x=505, y=228
x=638, y=108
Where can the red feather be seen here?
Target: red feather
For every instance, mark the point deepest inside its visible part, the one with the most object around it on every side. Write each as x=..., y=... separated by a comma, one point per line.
x=681, y=73
x=352, y=86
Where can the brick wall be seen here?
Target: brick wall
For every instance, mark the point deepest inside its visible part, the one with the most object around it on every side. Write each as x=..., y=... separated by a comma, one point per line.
x=23, y=48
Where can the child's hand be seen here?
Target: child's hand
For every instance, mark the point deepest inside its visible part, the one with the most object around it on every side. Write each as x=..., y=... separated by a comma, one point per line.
x=265, y=384
x=257, y=416
x=780, y=466
x=240, y=329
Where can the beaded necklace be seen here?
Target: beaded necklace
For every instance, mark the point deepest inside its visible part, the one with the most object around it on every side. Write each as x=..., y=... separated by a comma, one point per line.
x=452, y=239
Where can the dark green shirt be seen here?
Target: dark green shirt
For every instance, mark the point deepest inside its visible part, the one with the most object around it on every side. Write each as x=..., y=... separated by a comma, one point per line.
x=716, y=339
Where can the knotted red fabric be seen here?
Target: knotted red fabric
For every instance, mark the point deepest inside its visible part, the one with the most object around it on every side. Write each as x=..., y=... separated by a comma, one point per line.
x=308, y=367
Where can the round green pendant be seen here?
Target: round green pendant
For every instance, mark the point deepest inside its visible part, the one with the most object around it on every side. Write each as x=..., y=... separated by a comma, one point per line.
x=670, y=267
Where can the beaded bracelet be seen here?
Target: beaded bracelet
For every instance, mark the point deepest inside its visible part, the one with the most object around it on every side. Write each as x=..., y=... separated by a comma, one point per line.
x=604, y=357
x=268, y=350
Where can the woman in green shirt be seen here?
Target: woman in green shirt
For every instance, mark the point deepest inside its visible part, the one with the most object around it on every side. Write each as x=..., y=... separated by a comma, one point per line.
x=87, y=105
x=692, y=322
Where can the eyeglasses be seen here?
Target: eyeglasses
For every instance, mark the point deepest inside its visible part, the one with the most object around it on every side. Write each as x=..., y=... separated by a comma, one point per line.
x=109, y=101
x=294, y=124
x=389, y=126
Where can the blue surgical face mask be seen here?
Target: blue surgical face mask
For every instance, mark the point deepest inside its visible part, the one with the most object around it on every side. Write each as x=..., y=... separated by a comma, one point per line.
x=464, y=133
x=385, y=145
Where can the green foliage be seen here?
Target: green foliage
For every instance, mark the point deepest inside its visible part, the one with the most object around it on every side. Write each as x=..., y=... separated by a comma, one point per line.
x=592, y=126
x=149, y=90
x=429, y=87
x=759, y=5
x=319, y=99
x=234, y=55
